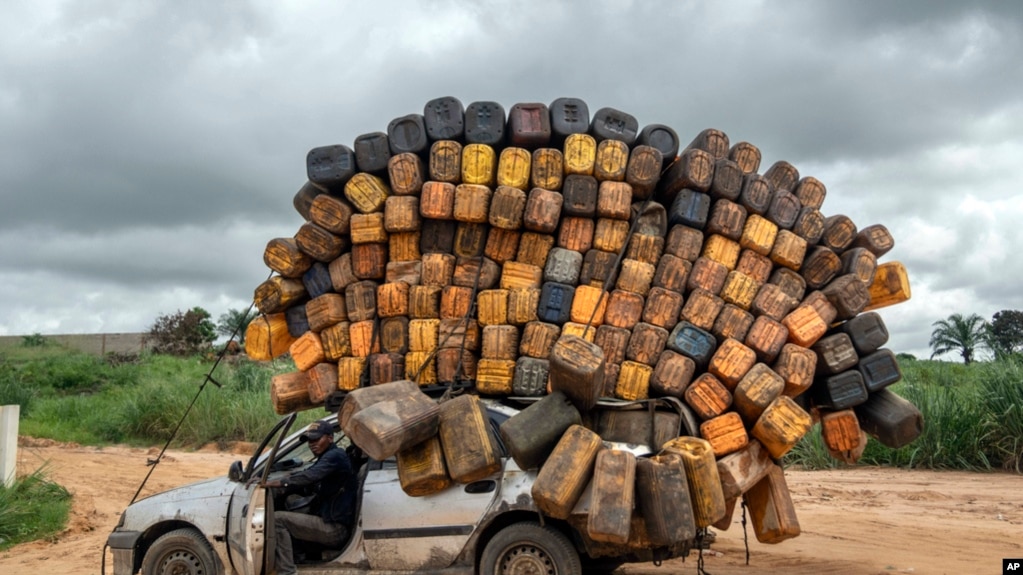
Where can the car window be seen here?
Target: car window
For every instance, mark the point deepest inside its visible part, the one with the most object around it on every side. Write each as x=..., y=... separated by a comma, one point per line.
x=295, y=453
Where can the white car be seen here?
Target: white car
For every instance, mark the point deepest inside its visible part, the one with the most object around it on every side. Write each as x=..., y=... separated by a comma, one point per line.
x=224, y=526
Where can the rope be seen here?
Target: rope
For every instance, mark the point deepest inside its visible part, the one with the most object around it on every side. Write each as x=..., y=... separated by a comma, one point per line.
x=152, y=463
x=471, y=311
x=745, y=538
x=463, y=322
x=700, y=570
x=621, y=254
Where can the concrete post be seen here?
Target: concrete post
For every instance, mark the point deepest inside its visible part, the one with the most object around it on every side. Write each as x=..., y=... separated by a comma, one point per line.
x=9, y=443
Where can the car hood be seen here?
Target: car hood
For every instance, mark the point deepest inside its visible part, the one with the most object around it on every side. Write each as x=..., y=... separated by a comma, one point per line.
x=200, y=502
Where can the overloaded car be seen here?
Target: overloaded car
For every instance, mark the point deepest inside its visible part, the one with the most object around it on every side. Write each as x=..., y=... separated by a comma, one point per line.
x=224, y=525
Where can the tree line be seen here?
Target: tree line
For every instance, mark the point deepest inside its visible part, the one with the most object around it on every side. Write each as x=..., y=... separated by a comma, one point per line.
x=971, y=334
x=194, y=331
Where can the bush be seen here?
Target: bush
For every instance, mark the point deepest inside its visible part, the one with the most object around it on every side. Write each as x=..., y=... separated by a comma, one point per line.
x=32, y=508
x=34, y=340
x=183, y=333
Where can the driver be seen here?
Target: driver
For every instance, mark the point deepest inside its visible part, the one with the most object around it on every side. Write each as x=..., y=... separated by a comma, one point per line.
x=330, y=514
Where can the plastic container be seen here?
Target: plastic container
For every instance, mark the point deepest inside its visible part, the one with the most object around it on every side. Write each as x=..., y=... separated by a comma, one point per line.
x=532, y=434
x=613, y=496
x=702, y=478
x=567, y=471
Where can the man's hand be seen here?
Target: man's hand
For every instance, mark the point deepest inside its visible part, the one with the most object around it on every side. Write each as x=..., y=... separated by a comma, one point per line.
x=276, y=483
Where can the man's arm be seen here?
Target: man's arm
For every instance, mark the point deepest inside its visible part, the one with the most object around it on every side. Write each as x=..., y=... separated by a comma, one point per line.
x=333, y=461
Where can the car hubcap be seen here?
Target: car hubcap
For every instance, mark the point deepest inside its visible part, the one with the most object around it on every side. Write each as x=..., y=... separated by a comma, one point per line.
x=181, y=562
x=527, y=560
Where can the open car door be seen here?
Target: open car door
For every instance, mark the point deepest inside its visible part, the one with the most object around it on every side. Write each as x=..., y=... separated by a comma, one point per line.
x=250, y=532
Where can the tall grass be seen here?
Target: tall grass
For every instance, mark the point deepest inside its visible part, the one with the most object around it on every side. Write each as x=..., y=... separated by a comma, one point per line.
x=140, y=403
x=33, y=507
x=973, y=420
x=1001, y=395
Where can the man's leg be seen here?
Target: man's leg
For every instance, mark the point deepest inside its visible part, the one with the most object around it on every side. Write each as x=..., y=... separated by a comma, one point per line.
x=284, y=554
x=288, y=525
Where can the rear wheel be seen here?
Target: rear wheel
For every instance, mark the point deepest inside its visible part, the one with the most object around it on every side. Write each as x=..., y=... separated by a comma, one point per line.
x=180, y=552
x=529, y=549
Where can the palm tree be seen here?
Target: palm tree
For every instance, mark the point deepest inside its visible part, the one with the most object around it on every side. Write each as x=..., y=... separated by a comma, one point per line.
x=957, y=333
x=234, y=322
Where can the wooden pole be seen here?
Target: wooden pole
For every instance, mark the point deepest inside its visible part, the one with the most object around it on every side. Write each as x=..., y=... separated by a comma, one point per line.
x=8, y=443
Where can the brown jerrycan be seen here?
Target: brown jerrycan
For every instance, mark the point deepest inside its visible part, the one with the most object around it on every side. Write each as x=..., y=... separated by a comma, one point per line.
x=532, y=434
x=890, y=419
x=743, y=469
x=566, y=472
x=841, y=431
x=322, y=381
x=290, y=392
x=726, y=433
x=781, y=426
x=725, y=522
x=614, y=485
x=385, y=428
x=278, y=294
x=577, y=369
x=662, y=497
x=421, y=468
x=469, y=449
x=771, y=510
x=364, y=397
x=702, y=477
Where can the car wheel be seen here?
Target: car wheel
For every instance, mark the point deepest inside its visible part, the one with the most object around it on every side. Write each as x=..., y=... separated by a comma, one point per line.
x=529, y=549
x=180, y=552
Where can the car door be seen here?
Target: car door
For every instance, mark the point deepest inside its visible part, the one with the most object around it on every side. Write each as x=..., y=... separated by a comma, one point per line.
x=249, y=528
x=401, y=532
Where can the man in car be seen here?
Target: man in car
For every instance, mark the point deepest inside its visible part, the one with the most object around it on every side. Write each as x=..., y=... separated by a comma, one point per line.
x=330, y=515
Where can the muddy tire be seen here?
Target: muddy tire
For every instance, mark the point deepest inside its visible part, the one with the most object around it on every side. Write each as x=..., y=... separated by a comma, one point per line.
x=529, y=549
x=180, y=552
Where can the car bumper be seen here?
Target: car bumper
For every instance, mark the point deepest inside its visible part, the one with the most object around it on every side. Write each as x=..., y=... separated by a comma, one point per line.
x=122, y=546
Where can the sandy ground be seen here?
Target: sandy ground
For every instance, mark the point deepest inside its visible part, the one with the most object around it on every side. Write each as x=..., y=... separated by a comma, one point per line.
x=860, y=521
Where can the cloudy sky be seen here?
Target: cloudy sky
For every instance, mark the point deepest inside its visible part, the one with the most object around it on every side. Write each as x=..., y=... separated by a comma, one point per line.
x=149, y=150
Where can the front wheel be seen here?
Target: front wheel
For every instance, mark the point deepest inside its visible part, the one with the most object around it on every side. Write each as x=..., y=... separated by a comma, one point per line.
x=180, y=552
x=529, y=549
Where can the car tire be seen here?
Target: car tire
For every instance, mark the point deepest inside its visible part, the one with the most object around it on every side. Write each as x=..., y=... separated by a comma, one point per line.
x=182, y=551
x=529, y=548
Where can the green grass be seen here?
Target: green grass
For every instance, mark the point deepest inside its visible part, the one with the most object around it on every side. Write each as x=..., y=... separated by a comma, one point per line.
x=32, y=508
x=69, y=396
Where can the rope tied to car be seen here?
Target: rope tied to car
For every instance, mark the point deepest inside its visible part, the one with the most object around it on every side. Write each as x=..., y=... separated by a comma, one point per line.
x=152, y=463
x=745, y=537
x=701, y=534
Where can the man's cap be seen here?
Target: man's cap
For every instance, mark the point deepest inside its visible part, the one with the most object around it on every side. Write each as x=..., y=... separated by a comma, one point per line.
x=316, y=430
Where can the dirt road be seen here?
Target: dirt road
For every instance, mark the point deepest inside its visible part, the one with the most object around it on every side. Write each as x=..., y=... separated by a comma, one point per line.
x=860, y=521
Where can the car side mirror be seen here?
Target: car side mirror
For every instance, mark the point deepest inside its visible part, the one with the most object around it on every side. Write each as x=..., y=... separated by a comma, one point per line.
x=236, y=472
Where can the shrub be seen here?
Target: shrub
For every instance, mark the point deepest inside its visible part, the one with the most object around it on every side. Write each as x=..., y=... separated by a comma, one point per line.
x=183, y=333
x=34, y=340
x=32, y=508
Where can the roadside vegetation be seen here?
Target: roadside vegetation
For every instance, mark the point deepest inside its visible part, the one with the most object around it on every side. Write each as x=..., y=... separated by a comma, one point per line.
x=32, y=508
x=73, y=397
x=973, y=414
